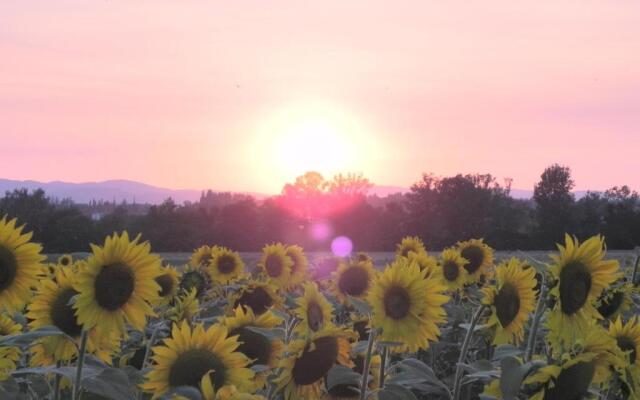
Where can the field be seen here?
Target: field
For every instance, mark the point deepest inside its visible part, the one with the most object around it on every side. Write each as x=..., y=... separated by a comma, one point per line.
x=465, y=323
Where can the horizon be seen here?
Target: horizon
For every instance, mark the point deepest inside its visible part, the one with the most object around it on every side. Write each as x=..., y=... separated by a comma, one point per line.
x=233, y=96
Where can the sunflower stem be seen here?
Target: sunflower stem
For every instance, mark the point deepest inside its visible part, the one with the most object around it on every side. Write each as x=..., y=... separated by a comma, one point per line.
x=77, y=387
x=531, y=343
x=147, y=352
x=367, y=364
x=383, y=364
x=56, y=383
x=457, y=384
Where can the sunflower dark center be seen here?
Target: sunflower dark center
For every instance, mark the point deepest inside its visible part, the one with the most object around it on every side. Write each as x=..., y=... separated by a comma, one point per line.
x=226, y=264
x=475, y=255
x=313, y=365
x=258, y=300
x=354, y=281
x=114, y=285
x=65, y=261
x=572, y=383
x=191, y=280
x=611, y=304
x=63, y=314
x=575, y=284
x=190, y=366
x=397, y=302
x=315, y=316
x=361, y=328
x=253, y=345
x=627, y=344
x=450, y=271
x=273, y=265
x=166, y=284
x=507, y=303
x=8, y=268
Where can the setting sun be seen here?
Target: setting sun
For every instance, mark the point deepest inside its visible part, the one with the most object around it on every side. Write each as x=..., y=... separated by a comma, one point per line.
x=311, y=138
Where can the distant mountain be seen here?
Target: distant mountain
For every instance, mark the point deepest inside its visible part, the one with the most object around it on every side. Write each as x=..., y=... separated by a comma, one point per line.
x=118, y=190
x=130, y=191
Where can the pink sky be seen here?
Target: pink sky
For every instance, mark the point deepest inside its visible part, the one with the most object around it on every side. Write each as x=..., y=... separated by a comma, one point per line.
x=177, y=93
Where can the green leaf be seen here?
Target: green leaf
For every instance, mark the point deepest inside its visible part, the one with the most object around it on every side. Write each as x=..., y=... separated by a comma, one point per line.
x=506, y=350
x=422, y=371
x=269, y=333
x=395, y=392
x=341, y=375
x=511, y=377
x=361, y=306
x=112, y=383
x=25, y=339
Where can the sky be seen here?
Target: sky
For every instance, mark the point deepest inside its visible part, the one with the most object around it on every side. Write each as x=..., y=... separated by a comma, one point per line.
x=246, y=95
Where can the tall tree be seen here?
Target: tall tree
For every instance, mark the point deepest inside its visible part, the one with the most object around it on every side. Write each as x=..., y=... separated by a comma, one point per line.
x=554, y=201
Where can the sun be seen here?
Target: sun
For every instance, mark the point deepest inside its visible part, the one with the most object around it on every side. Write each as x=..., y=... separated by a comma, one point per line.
x=311, y=137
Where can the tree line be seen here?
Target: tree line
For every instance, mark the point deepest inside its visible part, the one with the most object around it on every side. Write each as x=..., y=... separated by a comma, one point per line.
x=439, y=210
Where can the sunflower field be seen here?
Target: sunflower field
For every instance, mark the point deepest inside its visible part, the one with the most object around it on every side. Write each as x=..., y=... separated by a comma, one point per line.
x=463, y=324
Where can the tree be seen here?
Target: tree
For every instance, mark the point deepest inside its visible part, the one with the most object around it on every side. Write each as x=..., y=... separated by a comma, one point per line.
x=554, y=201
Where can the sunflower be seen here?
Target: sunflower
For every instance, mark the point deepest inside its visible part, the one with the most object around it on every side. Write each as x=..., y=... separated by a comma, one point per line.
x=204, y=359
x=614, y=300
x=407, y=306
x=353, y=279
x=65, y=260
x=7, y=363
x=168, y=282
x=308, y=361
x=590, y=361
x=424, y=261
x=201, y=256
x=479, y=255
x=185, y=308
x=314, y=310
x=256, y=295
x=53, y=306
x=260, y=349
x=20, y=266
x=452, y=270
x=410, y=244
x=8, y=327
x=194, y=278
x=225, y=265
x=299, y=267
x=116, y=284
x=582, y=274
x=276, y=265
x=627, y=337
x=511, y=299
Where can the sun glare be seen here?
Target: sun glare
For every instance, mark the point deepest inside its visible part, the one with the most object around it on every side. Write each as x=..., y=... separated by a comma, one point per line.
x=311, y=138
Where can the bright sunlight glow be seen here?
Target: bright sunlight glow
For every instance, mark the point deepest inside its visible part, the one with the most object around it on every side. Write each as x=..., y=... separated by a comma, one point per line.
x=315, y=137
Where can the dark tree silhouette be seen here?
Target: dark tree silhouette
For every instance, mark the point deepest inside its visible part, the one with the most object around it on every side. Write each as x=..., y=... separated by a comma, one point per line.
x=554, y=201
